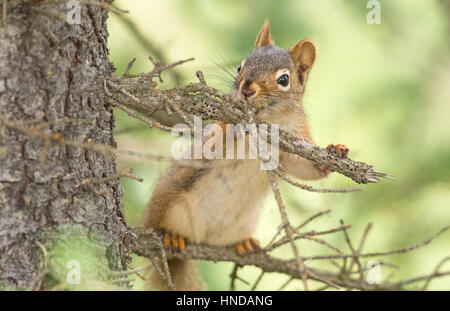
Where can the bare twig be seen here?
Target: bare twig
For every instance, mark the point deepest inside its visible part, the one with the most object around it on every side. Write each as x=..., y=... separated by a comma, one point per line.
x=142, y=118
x=150, y=46
x=200, y=77
x=269, y=246
x=361, y=244
x=130, y=64
x=393, y=252
x=125, y=173
x=233, y=276
x=299, y=235
x=287, y=227
x=312, y=218
x=322, y=242
x=309, y=188
x=164, y=262
x=258, y=280
x=355, y=255
x=285, y=284
x=105, y=150
x=134, y=270
x=435, y=272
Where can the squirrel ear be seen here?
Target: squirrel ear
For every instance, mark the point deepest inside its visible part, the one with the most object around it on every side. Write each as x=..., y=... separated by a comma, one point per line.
x=303, y=54
x=264, y=37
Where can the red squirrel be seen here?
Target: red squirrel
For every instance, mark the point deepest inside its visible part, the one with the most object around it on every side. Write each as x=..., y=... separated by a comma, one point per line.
x=220, y=204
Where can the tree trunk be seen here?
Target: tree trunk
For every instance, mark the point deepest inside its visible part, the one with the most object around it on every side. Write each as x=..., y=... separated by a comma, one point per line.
x=51, y=75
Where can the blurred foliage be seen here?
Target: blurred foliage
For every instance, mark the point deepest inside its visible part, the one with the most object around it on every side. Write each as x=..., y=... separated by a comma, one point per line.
x=381, y=89
x=74, y=259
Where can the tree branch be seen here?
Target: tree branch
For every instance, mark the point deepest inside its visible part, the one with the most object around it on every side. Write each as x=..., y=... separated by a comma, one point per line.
x=139, y=92
x=145, y=245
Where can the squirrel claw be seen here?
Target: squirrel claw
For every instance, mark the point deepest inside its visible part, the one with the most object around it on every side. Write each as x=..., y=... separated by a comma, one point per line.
x=174, y=241
x=250, y=245
x=339, y=150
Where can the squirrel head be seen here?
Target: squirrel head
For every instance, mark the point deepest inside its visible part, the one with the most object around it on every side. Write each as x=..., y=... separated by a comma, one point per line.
x=274, y=78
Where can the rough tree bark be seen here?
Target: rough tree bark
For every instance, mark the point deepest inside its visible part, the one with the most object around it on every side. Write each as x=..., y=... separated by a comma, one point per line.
x=52, y=76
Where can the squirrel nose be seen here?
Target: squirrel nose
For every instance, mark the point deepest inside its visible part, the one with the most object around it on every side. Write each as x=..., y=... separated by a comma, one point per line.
x=246, y=91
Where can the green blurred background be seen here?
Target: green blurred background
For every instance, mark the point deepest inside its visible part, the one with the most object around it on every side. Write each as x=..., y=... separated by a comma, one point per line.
x=383, y=90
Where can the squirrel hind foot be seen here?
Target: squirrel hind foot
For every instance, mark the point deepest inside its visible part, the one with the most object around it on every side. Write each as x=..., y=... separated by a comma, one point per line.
x=247, y=246
x=174, y=241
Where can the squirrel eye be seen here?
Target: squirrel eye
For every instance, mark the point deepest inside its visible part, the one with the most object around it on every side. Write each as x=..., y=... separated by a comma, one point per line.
x=283, y=80
x=239, y=69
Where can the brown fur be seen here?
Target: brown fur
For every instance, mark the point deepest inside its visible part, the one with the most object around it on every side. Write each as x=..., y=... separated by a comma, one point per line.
x=264, y=37
x=220, y=204
x=184, y=274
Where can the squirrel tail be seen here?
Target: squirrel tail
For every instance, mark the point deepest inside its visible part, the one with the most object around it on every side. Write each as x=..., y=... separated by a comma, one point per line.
x=184, y=275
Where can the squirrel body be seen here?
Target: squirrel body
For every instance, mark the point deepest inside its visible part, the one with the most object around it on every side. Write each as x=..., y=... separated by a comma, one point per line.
x=219, y=204
x=212, y=196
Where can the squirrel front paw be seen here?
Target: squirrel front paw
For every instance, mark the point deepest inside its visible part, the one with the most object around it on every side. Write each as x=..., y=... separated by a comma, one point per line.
x=340, y=150
x=250, y=245
x=174, y=241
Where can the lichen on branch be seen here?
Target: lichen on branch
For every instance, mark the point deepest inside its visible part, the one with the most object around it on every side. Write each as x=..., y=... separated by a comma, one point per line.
x=140, y=93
